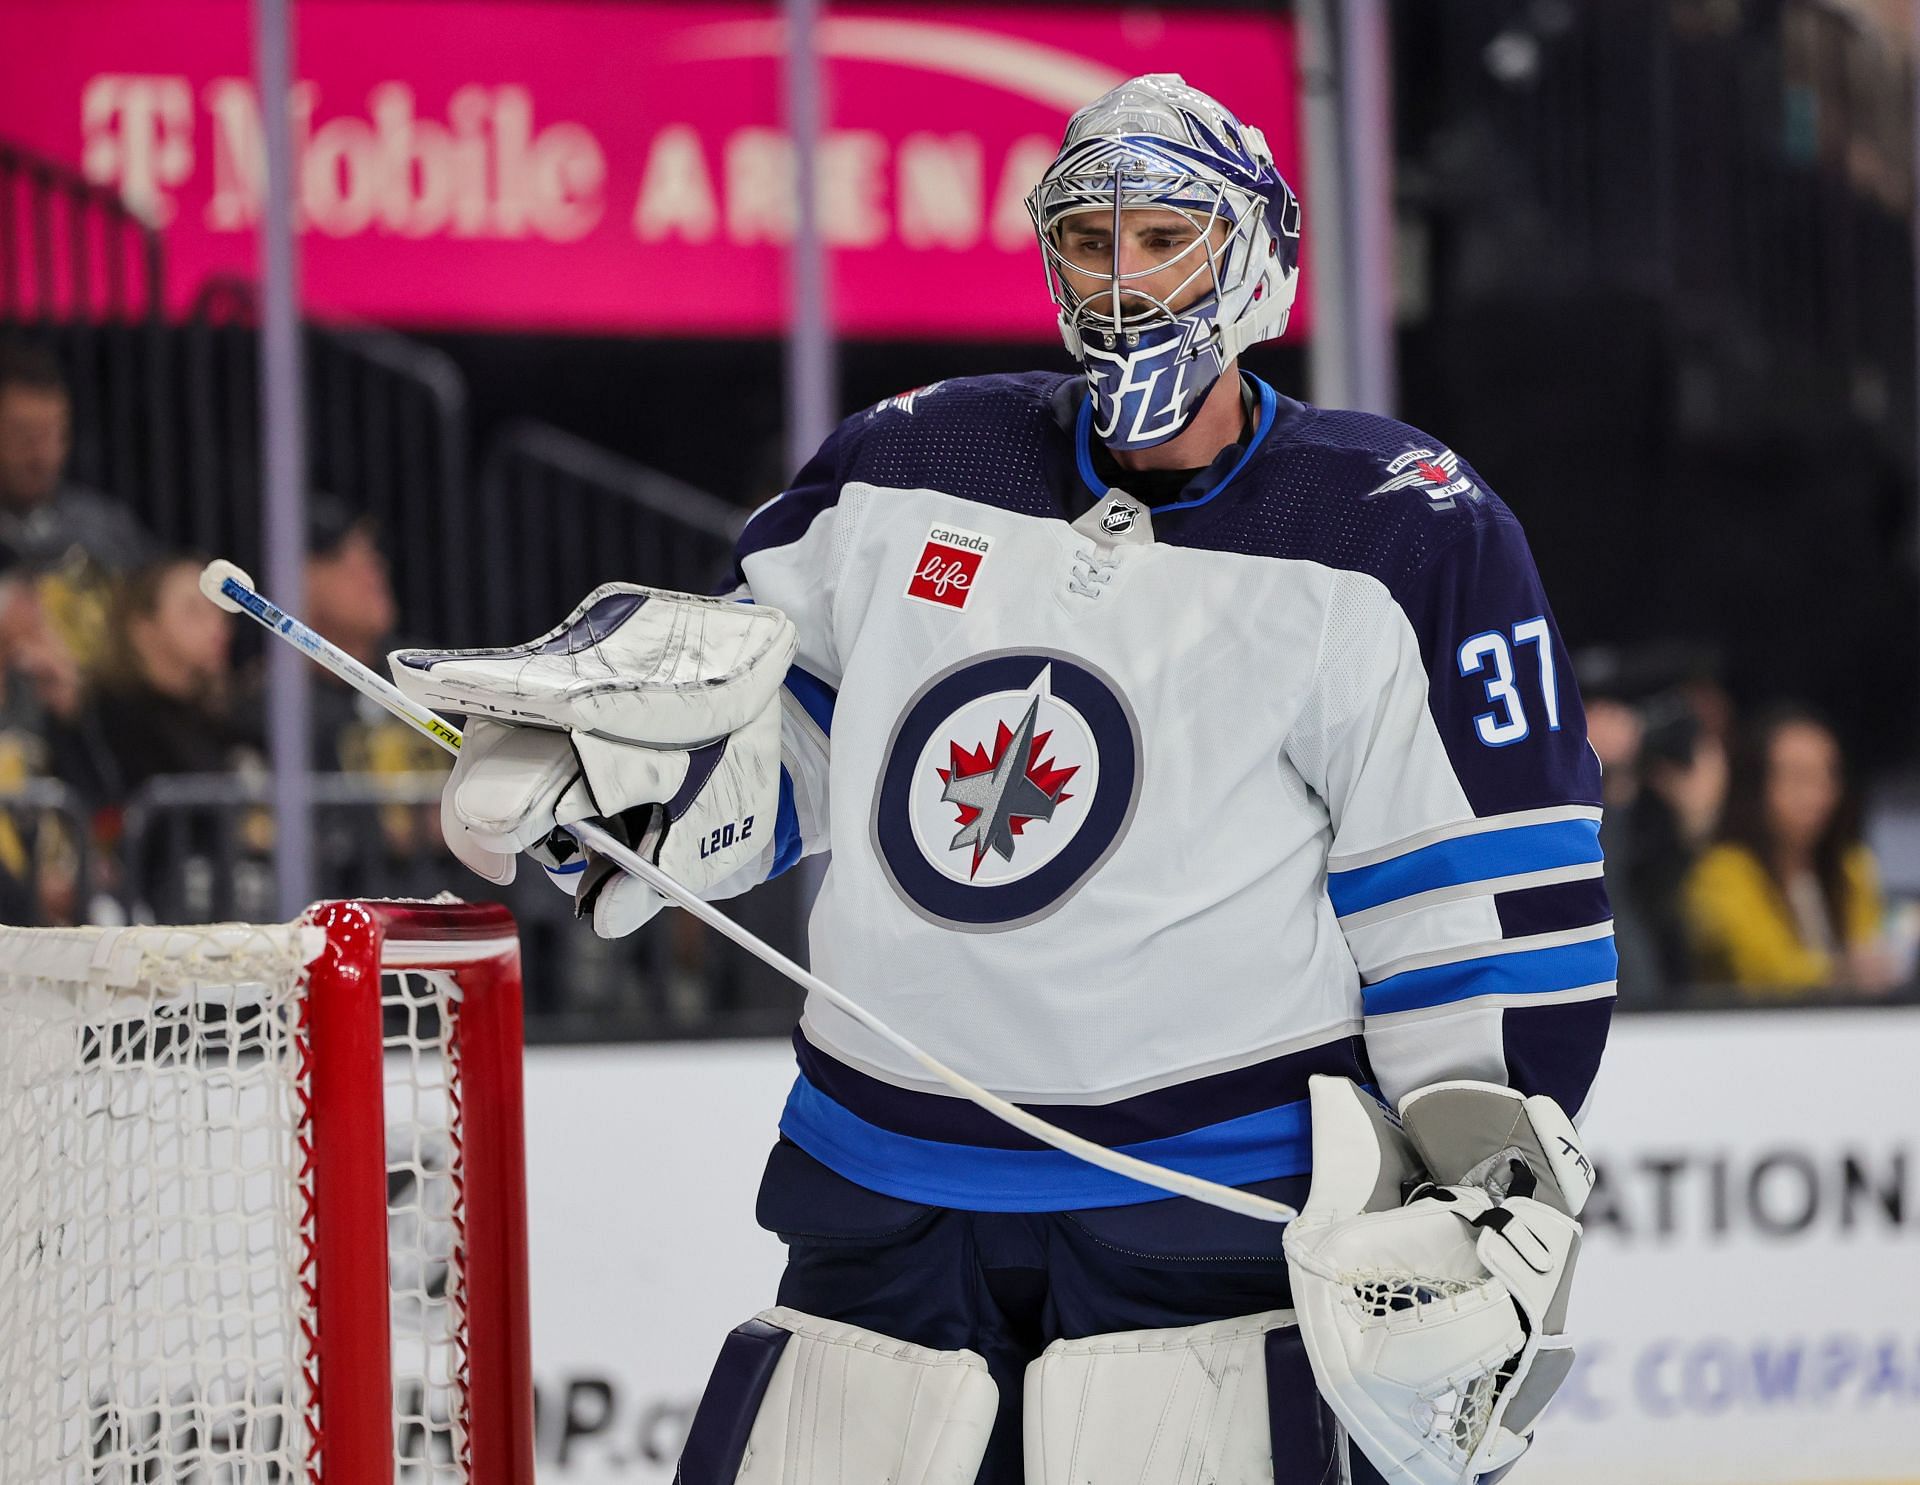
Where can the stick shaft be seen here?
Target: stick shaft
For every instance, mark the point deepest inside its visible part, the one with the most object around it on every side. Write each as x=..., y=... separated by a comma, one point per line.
x=324, y=652
x=427, y=721
x=1165, y=1178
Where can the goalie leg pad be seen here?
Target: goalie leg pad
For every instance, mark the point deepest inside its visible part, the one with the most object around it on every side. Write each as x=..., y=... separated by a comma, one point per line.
x=1186, y=1406
x=798, y=1400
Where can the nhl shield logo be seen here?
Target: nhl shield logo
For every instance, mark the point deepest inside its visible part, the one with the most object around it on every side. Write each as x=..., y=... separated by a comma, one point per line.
x=1119, y=519
x=1008, y=781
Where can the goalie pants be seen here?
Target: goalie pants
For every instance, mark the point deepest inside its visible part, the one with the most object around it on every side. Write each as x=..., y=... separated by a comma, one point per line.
x=1006, y=1284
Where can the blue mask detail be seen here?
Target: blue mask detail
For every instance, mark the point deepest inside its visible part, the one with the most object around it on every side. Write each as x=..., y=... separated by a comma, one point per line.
x=1148, y=392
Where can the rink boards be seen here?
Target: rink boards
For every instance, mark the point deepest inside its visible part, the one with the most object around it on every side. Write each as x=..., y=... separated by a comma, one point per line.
x=1748, y=1306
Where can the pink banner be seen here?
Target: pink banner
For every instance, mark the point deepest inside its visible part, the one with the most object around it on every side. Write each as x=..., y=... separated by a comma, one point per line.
x=618, y=168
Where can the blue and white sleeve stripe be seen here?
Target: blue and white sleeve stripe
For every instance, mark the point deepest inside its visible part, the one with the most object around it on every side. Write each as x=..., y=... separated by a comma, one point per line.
x=1499, y=853
x=1580, y=959
x=815, y=696
x=1432, y=920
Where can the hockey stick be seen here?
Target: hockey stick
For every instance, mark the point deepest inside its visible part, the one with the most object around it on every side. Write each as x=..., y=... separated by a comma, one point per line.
x=231, y=589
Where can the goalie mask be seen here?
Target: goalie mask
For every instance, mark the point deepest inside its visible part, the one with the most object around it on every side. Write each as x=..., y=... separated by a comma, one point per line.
x=1154, y=142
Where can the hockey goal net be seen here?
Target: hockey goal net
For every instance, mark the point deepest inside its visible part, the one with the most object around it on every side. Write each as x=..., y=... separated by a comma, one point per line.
x=262, y=1202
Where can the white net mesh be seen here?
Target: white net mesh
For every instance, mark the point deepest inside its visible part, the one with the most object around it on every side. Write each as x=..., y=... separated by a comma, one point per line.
x=1461, y=1412
x=424, y=1180
x=151, y=1213
x=156, y=1211
x=1378, y=1295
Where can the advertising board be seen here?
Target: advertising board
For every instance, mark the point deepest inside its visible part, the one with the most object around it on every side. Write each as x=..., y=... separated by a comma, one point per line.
x=612, y=168
x=1747, y=1308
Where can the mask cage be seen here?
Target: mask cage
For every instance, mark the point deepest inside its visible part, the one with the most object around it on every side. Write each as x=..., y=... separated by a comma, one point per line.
x=1121, y=307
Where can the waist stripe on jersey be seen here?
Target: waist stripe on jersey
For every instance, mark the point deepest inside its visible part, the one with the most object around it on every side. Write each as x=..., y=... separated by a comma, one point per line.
x=1469, y=858
x=1237, y=1152
x=1197, y=1103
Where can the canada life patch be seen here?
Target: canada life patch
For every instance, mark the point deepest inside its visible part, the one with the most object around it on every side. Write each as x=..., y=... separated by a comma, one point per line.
x=948, y=566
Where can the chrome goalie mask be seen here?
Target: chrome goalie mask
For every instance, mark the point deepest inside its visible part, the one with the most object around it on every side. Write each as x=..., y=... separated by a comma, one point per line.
x=1155, y=142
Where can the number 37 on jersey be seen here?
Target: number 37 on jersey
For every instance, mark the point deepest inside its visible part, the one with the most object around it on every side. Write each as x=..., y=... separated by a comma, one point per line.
x=1495, y=656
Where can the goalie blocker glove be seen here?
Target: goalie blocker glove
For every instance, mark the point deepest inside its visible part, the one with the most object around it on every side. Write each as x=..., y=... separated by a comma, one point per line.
x=656, y=713
x=1430, y=1271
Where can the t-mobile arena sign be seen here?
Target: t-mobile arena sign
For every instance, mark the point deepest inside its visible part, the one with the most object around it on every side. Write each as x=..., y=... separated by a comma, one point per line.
x=621, y=168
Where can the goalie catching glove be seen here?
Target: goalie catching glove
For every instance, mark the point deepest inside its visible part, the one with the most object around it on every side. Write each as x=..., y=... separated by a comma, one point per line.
x=1430, y=1270
x=654, y=713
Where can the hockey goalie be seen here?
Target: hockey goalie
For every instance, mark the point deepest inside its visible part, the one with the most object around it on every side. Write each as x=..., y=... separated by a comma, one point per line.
x=1203, y=771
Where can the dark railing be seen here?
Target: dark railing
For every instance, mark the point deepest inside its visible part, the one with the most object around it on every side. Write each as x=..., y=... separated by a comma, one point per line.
x=82, y=273
x=557, y=515
x=386, y=435
x=388, y=430
x=71, y=250
x=498, y=559
x=198, y=848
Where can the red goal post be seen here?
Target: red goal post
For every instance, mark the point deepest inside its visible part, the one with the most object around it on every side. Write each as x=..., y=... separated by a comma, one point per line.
x=263, y=1200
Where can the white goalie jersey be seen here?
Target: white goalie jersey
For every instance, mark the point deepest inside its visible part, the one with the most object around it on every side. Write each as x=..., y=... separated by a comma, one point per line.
x=1140, y=816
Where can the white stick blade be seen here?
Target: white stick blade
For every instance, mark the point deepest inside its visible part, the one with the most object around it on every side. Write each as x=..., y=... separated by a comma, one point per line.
x=213, y=578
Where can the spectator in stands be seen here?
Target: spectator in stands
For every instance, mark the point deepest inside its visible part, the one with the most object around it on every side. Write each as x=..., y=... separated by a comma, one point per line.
x=165, y=704
x=1789, y=900
x=44, y=735
x=1671, y=821
x=350, y=599
x=40, y=682
x=1613, y=728
x=73, y=539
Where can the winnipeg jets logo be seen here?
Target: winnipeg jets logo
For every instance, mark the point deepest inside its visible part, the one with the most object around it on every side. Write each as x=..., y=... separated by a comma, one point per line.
x=996, y=769
x=999, y=794
x=1008, y=780
x=1437, y=473
x=904, y=401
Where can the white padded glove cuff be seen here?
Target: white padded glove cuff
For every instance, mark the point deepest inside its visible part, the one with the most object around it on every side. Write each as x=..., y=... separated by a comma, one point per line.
x=1468, y=1133
x=503, y=792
